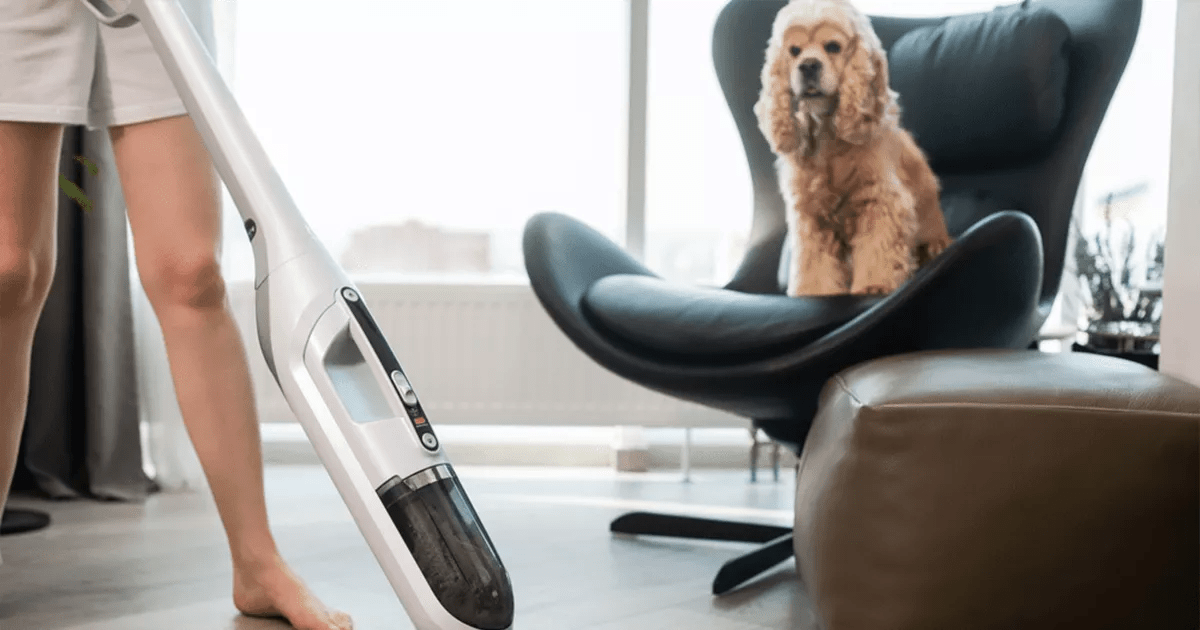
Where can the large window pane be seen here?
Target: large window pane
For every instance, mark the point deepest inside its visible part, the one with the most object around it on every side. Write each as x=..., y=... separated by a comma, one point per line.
x=417, y=137
x=698, y=195
x=1113, y=290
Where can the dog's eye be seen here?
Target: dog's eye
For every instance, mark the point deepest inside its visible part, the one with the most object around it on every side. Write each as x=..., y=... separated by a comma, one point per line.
x=833, y=48
x=795, y=50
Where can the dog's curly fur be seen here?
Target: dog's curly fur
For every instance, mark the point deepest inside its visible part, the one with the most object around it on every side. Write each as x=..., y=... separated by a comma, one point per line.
x=863, y=208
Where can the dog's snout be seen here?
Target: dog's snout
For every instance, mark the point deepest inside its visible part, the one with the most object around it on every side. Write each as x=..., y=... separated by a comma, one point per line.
x=810, y=68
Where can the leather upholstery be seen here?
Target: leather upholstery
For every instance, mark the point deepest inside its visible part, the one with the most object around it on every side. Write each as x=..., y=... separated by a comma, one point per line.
x=992, y=289
x=994, y=490
x=986, y=90
x=688, y=321
x=692, y=325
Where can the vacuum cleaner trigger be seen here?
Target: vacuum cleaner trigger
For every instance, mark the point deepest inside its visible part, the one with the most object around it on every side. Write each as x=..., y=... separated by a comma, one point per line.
x=110, y=16
x=405, y=388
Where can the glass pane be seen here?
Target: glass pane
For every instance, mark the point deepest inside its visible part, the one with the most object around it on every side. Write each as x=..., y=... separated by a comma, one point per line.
x=418, y=137
x=1113, y=288
x=698, y=195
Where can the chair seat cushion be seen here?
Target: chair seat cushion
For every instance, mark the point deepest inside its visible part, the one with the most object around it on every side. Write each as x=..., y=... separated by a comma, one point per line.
x=984, y=90
x=961, y=209
x=1001, y=489
x=684, y=320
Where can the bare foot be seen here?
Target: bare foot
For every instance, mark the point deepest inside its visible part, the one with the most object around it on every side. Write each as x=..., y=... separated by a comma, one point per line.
x=273, y=590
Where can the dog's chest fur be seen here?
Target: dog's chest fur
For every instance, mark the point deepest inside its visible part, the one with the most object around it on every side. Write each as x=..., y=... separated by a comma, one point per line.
x=826, y=180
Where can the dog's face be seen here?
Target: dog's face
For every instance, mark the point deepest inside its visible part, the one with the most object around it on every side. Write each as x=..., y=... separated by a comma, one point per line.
x=825, y=68
x=817, y=56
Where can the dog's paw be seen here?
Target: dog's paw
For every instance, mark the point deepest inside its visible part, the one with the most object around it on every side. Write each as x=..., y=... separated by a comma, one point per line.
x=928, y=251
x=817, y=289
x=873, y=289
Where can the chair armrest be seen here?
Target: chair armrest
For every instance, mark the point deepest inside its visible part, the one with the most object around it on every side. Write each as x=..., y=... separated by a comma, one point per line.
x=981, y=292
x=564, y=257
x=989, y=279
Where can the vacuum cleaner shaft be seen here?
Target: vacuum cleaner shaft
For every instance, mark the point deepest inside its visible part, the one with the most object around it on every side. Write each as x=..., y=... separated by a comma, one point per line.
x=357, y=405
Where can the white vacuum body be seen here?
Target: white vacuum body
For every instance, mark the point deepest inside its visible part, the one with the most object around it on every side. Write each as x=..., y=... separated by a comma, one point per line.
x=335, y=368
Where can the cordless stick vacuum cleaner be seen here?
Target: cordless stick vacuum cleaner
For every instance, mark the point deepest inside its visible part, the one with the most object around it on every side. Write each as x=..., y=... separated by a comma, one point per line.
x=334, y=366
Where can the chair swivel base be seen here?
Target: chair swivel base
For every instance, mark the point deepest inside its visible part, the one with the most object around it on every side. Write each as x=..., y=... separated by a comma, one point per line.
x=776, y=542
x=16, y=521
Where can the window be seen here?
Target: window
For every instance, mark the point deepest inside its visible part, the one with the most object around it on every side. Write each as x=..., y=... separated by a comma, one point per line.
x=1122, y=210
x=698, y=194
x=417, y=137
x=1133, y=148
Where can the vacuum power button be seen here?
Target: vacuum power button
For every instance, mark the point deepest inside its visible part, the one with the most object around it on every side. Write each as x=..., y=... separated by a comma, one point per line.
x=406, y=391
x=429, y=440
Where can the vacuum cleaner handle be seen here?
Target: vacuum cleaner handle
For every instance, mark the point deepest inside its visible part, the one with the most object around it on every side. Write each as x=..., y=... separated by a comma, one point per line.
x=108, y=15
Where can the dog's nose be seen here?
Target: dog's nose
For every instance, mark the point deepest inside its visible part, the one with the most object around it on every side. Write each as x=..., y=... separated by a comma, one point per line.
x=810, y=68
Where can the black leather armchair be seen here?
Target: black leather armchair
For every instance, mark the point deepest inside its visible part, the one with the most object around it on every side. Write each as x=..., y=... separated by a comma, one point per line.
x=1006, y=104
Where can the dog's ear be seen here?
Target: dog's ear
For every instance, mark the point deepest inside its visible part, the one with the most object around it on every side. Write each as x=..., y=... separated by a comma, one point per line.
x=775, y=108
x=864, y=97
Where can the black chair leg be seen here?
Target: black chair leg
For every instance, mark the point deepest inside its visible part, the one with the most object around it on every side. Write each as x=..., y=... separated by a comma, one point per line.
x=650, y=524
x=776, y=541
x=744, y=568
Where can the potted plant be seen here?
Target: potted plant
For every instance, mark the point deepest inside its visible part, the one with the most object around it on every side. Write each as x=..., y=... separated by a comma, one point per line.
x=1119, y=271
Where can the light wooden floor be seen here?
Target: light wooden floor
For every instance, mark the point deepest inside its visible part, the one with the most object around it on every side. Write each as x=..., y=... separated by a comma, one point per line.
x=164, y=566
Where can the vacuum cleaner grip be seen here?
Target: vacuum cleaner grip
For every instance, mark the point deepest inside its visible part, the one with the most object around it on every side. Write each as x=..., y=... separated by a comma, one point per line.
x=110, y=16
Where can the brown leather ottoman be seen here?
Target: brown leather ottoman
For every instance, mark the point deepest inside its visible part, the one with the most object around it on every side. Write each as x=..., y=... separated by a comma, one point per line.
x=1010, y=490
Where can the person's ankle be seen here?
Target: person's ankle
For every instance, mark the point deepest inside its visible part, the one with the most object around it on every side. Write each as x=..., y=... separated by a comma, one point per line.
x=257, y=558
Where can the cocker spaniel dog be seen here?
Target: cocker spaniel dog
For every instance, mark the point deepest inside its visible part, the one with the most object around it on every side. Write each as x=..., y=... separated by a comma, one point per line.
x=863, y=209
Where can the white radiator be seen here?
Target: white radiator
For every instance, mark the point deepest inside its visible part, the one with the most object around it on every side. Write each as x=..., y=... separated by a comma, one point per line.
x=488, y=354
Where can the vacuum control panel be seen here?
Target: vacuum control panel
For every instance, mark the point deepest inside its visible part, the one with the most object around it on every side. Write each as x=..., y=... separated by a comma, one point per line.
x=379, y=345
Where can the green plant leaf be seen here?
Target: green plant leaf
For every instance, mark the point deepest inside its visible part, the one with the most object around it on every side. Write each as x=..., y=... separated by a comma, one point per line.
x=88, y=164
x=73, y=191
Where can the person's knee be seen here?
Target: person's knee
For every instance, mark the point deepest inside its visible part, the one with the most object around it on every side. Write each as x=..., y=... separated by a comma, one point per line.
x=184, y=280
x=27, y=214
x=25, y=278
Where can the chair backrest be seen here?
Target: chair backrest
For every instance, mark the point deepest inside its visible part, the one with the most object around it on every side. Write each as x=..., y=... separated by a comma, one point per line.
x=1043, y=184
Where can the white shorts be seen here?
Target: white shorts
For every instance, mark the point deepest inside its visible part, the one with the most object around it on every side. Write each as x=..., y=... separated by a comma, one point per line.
x=58, y=64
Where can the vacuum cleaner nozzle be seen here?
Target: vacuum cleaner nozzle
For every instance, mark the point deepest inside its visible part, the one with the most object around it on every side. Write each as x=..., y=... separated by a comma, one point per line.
x=438, y=523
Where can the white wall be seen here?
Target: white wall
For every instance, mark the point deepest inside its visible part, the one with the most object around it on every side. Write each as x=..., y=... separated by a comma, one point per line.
x=1181, y=286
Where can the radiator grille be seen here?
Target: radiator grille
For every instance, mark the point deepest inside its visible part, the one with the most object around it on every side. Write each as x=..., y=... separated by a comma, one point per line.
x=488, y=354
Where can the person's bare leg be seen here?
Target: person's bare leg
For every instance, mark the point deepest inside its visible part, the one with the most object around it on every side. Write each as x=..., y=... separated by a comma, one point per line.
x=173, y=197
x=28, y=200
